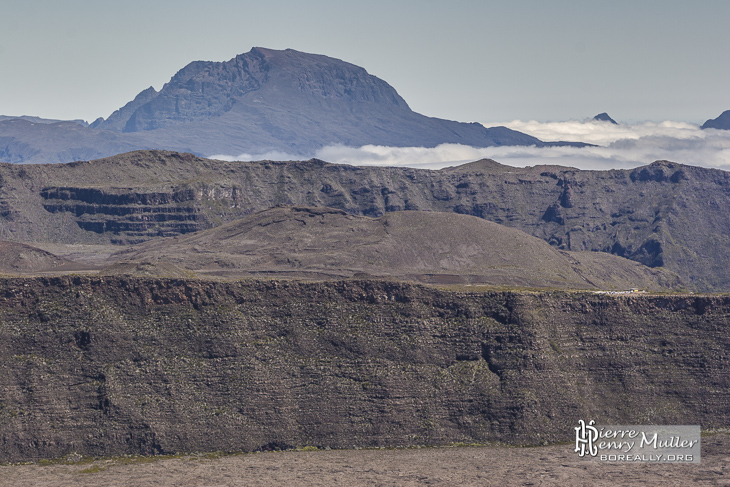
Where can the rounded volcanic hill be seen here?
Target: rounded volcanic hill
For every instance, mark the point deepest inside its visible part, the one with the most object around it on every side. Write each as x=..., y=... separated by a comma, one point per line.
x=414, y=245
x=18, y=258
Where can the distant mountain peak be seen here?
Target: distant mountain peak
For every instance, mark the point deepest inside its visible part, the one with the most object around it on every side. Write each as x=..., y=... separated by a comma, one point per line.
x=205, y=89
x=603, y=117
x=722, y=122
x=260, y=101
x=482, y=165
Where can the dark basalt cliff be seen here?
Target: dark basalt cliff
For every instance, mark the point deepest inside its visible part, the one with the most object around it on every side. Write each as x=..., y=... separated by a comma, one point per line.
x=662, y=215
x=110, y=366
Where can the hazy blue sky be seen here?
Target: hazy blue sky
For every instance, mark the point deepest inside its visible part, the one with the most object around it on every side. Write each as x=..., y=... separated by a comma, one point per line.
x=463, y=60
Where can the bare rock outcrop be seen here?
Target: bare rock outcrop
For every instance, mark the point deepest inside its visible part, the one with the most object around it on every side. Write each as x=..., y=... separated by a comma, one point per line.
x=111, y=366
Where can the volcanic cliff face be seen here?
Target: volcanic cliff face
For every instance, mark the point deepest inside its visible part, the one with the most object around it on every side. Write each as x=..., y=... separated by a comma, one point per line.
x=259, y=101
x=662, y=215
x=109, y=366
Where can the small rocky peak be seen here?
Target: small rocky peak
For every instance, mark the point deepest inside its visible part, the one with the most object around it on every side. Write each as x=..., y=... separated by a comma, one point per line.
x=603, y=117
x=721, y=123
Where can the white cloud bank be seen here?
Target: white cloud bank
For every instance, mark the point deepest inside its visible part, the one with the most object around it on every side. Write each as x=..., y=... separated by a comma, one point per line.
x=617, y=146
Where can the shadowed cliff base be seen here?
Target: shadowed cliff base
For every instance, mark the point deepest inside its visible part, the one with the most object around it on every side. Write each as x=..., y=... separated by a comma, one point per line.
x=111, y=366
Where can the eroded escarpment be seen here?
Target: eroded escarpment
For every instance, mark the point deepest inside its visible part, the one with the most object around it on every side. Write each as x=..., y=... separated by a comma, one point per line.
x=133, y=216
x=109, y=366
x=662, y=215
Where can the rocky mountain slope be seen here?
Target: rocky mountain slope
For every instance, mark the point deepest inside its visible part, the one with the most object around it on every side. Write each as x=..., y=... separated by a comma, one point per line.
x=430, y=247
x=259, y=101
x=110, y=366
x=662, y=215
x=722, y=122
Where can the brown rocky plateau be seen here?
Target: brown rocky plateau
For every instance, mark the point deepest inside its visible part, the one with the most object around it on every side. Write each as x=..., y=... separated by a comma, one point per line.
x=432, y=247
x=665, y=215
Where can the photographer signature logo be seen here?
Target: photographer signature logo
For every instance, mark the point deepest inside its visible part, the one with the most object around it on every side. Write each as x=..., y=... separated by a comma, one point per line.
x=638, y=443
x=585, y=438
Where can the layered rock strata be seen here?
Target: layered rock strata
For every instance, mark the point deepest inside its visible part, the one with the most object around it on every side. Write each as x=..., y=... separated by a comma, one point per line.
x=661, y=215
x=111, y=366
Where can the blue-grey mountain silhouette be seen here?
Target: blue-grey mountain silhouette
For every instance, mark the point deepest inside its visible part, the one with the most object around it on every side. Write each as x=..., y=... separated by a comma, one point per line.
x=604, y=117
x=722, y=122
x=257, y=102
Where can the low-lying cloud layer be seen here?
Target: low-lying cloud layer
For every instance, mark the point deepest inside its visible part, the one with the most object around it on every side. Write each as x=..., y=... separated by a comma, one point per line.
x=616, y=147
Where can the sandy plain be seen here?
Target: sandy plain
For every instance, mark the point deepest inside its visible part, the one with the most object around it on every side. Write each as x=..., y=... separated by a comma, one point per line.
x=465, y=466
